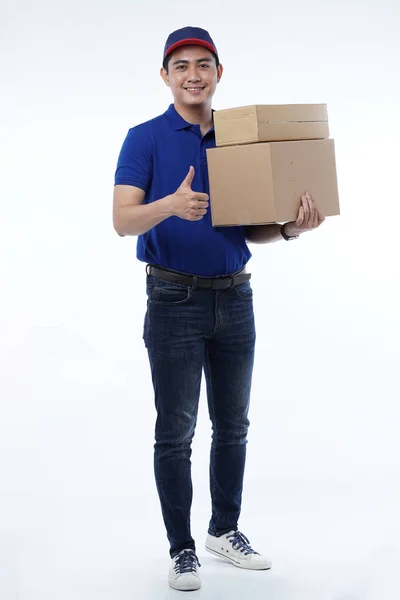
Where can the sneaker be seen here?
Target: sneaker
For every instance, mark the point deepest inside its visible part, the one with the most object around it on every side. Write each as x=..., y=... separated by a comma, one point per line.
x=235, y=548
x=183, y=573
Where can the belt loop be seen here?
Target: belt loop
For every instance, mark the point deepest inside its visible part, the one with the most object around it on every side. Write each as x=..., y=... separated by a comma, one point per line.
x=147, y=270
x=194, y=284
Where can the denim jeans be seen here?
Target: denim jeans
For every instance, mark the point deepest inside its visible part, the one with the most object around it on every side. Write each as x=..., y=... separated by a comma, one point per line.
x=188, y=329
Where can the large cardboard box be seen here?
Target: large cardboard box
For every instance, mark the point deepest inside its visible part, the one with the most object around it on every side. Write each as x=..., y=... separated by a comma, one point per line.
x=269, y=123
x=263, y=183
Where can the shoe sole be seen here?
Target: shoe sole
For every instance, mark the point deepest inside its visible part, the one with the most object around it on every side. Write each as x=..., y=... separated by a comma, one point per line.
x=183, y=589
x=236, y=563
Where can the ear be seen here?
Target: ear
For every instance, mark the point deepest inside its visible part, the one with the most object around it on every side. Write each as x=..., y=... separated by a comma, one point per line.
x=220, y=70
x=164, y=75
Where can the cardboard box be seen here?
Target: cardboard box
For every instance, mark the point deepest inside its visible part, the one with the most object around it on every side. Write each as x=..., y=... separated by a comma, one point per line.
x=263, y=183
x=270, y=123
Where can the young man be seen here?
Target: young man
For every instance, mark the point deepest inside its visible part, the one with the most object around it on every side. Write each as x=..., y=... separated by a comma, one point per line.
x=200, y=308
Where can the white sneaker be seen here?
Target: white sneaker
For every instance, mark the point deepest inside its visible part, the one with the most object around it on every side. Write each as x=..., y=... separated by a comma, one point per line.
x=235, y=548
x=183, y=573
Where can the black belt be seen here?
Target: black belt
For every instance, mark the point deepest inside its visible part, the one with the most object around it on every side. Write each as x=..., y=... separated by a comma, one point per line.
x=214, y=283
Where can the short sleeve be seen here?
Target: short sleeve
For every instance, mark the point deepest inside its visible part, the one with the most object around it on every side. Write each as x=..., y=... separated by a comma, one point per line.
x=135, y=161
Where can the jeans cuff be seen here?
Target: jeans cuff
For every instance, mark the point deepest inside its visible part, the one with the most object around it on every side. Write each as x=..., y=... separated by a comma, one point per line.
x=186, y=547
x=222, y=532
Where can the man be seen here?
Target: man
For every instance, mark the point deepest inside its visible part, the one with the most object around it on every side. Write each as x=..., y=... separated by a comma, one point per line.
x=200, y=309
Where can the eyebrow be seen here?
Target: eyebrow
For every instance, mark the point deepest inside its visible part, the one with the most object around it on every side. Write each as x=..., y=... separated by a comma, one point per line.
x=199, y=60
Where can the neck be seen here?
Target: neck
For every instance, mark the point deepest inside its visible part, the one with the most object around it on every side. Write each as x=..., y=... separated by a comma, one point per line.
x=197, y=115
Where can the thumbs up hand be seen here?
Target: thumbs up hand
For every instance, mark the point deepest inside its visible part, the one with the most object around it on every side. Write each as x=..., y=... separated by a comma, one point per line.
x=186, y=203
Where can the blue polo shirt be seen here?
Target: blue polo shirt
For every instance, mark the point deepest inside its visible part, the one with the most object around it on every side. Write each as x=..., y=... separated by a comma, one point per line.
x=156, y=157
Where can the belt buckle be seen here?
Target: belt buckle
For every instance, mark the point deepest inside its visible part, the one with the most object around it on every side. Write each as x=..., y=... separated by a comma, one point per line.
x=218, y=284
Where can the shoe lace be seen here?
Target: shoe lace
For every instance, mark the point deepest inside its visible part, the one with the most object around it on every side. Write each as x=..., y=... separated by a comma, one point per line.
x=241, y=543
x=186, y=562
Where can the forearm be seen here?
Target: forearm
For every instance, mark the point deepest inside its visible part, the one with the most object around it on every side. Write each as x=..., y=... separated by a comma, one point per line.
x=138, y=219
x=263, y=234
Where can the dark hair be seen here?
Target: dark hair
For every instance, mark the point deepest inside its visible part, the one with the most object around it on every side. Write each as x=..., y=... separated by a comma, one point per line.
x=168, y=58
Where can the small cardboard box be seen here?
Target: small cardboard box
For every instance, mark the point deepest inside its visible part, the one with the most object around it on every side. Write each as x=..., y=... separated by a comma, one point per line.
x=263, y=183
x=270, y=123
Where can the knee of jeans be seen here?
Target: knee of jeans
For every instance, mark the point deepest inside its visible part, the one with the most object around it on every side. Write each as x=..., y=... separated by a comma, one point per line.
x=231, y=434
x=178, y=434
x=172, y=449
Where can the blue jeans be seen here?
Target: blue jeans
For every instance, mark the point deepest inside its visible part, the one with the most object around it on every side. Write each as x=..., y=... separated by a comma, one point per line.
x=186, y=330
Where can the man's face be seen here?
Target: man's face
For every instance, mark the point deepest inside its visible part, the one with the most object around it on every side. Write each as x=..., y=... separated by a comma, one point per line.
x=192, y=75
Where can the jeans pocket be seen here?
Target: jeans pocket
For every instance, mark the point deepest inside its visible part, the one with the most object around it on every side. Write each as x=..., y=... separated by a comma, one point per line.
x=244, y=291
x=168, y=294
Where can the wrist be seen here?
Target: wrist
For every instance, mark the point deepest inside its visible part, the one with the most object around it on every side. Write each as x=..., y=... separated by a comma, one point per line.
x=289, y=232
x=167, y=205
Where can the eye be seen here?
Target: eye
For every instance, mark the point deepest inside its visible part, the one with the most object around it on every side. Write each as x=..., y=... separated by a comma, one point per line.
x=204, y=65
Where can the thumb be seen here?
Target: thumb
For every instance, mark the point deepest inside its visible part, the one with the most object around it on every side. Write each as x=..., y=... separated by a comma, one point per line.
x=189, y=177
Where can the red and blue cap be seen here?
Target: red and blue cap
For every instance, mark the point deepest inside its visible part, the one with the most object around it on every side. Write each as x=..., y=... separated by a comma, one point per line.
x=189, y=36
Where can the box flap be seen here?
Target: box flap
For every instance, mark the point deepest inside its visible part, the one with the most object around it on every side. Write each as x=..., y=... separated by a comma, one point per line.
x=236, y=126
x=292, y=113
x=279, y=132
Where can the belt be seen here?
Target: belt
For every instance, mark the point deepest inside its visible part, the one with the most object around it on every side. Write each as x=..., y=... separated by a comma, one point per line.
x=214, y=283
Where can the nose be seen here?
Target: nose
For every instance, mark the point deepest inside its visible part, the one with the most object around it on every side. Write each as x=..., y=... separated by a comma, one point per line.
x=193, y=75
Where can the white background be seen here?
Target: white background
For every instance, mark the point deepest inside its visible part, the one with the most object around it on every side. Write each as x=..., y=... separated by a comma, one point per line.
x=79, y=514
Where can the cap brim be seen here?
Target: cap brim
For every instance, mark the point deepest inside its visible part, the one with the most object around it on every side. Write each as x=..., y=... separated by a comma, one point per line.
x=191, y=42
